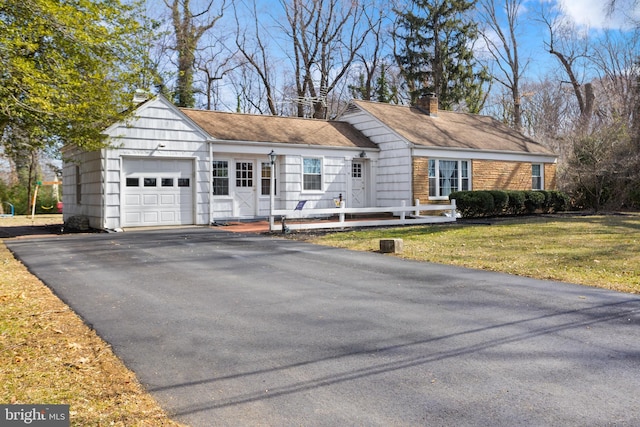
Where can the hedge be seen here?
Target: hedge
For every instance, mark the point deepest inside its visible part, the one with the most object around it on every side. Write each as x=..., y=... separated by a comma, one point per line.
x=486, y=203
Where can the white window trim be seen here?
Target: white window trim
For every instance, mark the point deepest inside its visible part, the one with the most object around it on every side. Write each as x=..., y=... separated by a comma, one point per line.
x=275, y=174
x=303, y=190
x=469, y=171
x=541, y=176
x=229, y=163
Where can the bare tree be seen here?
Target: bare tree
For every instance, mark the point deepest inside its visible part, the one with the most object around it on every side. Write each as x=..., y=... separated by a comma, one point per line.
x=615, y=60
x=500, y=35
x=326, y=36
x=371, y=62
x=549, y=113
x=189, y=28
x=215, y=62
x=621, y=5
x=570, y=51
x=255, y=50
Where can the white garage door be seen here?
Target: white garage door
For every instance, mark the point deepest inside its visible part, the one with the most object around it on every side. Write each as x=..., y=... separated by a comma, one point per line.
x=157, y=192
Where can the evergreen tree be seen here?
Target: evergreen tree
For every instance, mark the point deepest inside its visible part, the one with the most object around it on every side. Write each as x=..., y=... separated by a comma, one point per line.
x=433, y=39
x=381, y=91
x=385, y=91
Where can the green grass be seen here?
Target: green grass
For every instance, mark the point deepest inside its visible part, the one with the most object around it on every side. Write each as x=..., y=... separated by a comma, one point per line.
x=602, y=250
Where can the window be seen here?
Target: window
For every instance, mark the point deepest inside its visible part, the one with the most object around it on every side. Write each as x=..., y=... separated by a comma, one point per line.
x=133, y=182
x=266, y=179
x=311, y=174
x=244, y=174
x=447, y=176
x=183, y=182
x=166, y=182
x=220, y=178
x=78, y=186
x=356, y=170
x=465, y=179
x=150, y=182
x=536, y=177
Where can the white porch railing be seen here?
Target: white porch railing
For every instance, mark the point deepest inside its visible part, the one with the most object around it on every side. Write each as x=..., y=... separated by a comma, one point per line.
x=292, y=218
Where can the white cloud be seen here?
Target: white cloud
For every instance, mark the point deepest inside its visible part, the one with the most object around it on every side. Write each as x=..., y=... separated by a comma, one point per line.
x=594, y=13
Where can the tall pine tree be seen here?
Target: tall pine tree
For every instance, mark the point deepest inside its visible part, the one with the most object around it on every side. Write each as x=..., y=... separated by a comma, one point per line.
x=433, y=42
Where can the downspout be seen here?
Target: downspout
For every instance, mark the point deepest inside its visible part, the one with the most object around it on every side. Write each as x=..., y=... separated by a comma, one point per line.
x=103, y=192
x=210, y=195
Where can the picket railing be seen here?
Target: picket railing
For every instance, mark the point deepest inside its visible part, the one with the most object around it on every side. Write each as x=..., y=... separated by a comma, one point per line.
x=295, y=219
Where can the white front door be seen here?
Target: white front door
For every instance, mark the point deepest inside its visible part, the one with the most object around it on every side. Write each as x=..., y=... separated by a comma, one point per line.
x=245, y=189
x=358, y=185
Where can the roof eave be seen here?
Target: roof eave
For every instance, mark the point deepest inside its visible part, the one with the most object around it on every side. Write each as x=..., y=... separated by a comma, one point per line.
x=485, y=154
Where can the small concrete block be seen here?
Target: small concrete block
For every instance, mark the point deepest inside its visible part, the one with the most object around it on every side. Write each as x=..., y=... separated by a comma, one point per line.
x=391, y=246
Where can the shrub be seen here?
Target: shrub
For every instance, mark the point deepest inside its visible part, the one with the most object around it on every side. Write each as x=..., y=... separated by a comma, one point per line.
x=481, y=203
x=533, y=201
x=500, y=201
x=557, y=201
x=634, y=197
x=473, y=204
x=515, y=204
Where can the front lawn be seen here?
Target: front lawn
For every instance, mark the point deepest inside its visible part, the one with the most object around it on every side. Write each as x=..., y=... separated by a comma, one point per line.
x=596, y=250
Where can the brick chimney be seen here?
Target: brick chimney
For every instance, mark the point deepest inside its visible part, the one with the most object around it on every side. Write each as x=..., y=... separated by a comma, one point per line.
x=429, y=104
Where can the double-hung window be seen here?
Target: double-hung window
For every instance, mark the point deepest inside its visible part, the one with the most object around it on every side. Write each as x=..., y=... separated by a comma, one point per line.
x=447, y=176
x=220, y=178
x=536, y=177
x=311, y=174
x=267, y=168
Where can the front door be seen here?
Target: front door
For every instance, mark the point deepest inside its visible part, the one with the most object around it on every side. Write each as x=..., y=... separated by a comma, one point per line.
x=245, y=191
x=358, y=185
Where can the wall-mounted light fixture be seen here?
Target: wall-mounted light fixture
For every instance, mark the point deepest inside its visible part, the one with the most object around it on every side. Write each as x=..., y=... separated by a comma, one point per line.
x=272, y=157
x=363, y=154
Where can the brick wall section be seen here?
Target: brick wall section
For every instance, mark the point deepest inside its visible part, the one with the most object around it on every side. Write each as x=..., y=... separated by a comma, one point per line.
x=550, y=178
x=420, y=179
x=486, y=175
x=498, y=175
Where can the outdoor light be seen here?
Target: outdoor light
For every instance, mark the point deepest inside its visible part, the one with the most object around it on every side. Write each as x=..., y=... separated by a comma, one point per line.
x=272, y=188
x=363, y=154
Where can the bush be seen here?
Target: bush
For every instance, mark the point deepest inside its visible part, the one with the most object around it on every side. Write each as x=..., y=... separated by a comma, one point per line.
x=533, y=201
x=473, y=204
x=557, y=201
x=515, y=205
x=500, y=201
x=634, y=198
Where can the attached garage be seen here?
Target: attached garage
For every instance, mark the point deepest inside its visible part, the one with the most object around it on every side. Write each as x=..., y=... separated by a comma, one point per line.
x=157, y=192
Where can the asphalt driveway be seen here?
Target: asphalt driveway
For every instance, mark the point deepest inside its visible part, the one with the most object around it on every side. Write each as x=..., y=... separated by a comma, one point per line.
x=244, y=330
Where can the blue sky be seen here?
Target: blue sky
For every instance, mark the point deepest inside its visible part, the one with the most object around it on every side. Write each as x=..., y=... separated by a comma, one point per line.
x=588, y=16
x=590, y=20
